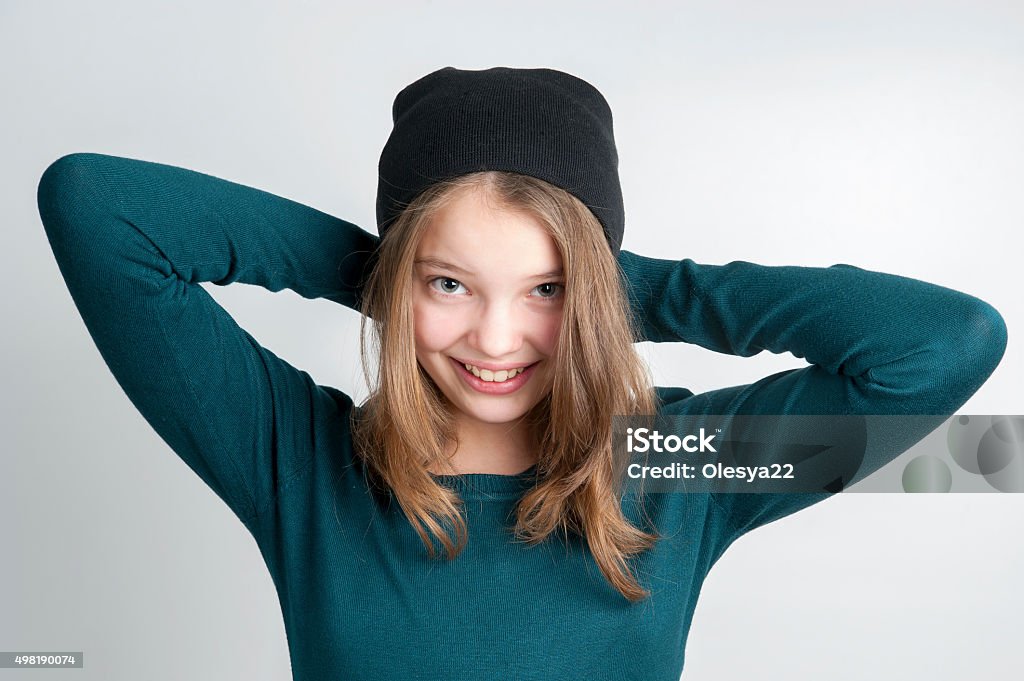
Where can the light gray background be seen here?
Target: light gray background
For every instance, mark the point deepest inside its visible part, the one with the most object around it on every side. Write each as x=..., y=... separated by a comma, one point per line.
x=881, y=134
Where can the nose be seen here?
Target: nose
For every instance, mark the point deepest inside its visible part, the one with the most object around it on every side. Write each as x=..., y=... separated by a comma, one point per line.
x=497, y=331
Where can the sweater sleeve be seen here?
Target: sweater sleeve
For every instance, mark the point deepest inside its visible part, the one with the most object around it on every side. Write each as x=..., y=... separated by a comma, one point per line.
x=133, y=240
x=877, y=344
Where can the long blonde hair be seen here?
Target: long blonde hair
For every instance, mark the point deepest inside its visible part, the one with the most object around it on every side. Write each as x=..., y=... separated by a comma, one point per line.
x=405, y=427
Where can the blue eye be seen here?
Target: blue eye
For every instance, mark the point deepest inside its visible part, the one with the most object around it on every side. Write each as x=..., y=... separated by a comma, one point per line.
x=549, y=290
x=447, y=285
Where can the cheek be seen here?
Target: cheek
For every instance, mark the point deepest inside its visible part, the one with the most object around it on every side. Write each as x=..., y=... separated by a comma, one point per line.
x=547, y=333
x=435, y=329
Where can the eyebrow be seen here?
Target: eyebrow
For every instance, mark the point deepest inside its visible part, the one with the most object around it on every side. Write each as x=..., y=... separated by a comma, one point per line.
x=443, y=265
x=440, y=264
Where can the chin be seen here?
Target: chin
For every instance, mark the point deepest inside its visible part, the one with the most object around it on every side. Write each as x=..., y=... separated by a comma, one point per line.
x=494, y=416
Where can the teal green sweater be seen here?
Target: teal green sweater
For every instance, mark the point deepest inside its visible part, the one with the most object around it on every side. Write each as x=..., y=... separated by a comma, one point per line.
x=359, y=596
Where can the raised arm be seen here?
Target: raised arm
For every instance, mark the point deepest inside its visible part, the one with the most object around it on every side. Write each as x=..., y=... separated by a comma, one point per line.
x=878, y=344
x=133, y=240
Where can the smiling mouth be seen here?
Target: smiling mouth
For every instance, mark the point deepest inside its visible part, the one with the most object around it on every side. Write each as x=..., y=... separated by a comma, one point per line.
x=494, y=376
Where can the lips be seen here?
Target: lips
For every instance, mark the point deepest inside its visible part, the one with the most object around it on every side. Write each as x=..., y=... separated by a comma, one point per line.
x=505, y=387
x=498, y=376
x=493, y=367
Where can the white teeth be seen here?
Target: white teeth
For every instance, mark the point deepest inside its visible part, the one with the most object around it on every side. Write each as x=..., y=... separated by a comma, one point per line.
x=494, y=376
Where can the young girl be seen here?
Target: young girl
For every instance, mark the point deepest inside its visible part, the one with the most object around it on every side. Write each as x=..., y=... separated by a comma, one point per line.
x=465, y=522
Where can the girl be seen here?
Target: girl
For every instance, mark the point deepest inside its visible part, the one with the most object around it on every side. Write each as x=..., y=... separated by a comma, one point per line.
x=465, y=522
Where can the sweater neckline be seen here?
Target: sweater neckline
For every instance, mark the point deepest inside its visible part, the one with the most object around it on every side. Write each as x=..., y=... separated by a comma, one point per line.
x=489, y=485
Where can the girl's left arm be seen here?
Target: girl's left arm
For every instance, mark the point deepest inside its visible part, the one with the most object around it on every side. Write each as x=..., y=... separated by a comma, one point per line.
x=878, y=344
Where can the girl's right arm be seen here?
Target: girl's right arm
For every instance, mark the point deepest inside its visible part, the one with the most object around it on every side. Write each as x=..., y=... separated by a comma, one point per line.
x=133, y=240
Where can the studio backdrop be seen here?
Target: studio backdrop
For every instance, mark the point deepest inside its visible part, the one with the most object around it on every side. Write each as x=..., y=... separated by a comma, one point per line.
x=884, y=135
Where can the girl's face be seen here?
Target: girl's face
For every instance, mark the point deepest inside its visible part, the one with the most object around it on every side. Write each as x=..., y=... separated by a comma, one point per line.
x=487, y=292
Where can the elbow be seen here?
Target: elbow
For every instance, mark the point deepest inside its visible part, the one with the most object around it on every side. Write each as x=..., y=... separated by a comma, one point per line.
x=974, y=348
x=67, y=190
x=985, y=337
x=61, y=177
x=963, y=346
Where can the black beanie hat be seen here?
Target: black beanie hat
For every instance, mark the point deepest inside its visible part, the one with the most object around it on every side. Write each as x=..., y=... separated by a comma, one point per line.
x=538, y=122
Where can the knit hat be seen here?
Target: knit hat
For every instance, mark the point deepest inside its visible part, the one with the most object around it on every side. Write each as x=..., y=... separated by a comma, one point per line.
x=538, y=122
